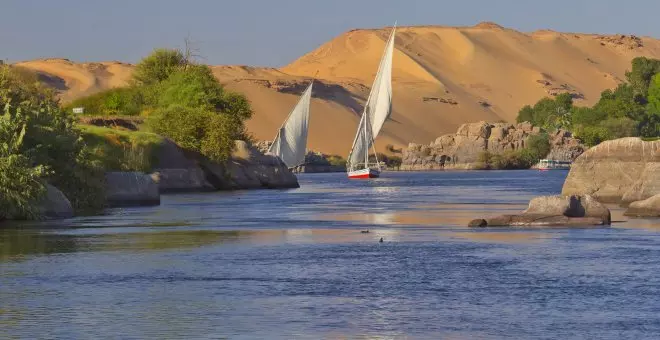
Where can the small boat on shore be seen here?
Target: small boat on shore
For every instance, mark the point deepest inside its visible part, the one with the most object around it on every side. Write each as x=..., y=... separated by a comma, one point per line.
x=376, y=111
x=551, y=164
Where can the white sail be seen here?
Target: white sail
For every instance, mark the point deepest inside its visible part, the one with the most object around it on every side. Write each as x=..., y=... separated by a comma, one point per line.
x=377, y=109
x=291, y=141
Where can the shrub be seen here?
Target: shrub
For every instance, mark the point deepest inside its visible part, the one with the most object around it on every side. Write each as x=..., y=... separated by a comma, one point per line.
x=122, y=150
x=593, y=135
x=538, y=146
x=198, y=129
x=336, y=160
x=49, y=140
x=158, y=66
x=125, y=101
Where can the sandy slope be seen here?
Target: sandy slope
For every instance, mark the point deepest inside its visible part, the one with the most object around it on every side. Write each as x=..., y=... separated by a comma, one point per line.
x=443, y=76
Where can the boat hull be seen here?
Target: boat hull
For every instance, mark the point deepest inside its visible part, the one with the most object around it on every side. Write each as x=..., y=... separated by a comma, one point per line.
x=364, y=174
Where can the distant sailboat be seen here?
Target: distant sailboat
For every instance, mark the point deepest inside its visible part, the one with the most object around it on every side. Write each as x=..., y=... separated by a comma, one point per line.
x=376, y=111
x=290, y=144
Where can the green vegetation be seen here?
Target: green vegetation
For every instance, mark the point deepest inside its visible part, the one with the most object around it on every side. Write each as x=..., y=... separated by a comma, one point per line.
x=632, y=109
x=181, y=100
x=538, y=146
x=391, y=162
x=127, y=101
x=122, y=150
x=336, y=160
x=39, y=143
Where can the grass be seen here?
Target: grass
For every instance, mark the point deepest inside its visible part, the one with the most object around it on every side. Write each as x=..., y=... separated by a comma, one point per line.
x=122, y=150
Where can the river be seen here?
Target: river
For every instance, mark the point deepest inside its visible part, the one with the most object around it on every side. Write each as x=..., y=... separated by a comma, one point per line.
x=295, y=264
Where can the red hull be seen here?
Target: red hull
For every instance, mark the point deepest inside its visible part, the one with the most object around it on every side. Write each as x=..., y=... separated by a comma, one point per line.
x=364, y=174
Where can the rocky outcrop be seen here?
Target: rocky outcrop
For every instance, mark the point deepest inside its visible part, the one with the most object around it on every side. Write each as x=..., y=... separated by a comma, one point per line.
x=248, y=168
x=131, y=189
x=461, y=150
x=315, y=162
x=557, y=211
x=649, y=207
x=55, y=204
x=178, y=171
x=615, y=170
x=182, y=180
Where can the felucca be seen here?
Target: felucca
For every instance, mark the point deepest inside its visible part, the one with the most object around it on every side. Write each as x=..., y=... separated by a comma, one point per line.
x=290, y=144
x=376, y=111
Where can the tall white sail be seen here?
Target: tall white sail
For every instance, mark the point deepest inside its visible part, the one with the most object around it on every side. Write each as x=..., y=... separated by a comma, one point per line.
x=377, y=109
x=291, y=141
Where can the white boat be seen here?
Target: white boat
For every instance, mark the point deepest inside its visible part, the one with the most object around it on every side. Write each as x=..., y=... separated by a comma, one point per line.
x=290, y=144
x=551, y=164
x=376, y=111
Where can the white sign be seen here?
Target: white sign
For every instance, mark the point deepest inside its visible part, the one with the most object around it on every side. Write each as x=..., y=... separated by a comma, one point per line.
x=78, y=110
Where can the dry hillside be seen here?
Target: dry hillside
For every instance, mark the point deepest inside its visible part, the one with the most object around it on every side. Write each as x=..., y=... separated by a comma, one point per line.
x=443, y=76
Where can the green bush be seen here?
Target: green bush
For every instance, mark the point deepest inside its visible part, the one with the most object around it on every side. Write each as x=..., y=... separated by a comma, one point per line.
x=48, y=140
x=158, y=66
x=123, y=101
x=593, y=135
x=209, y=133
x=336, y=160
x=538, y=147
x=122, y=150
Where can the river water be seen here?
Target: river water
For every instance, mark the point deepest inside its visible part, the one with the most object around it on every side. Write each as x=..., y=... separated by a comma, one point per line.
x=294, y=264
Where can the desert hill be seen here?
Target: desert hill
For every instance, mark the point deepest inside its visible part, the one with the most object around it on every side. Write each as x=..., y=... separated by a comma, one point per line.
x=443, y=77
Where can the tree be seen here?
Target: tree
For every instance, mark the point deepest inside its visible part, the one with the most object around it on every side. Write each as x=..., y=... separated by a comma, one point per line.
x=158, y=66
x=643, y=69
x=49, y=140
x=539, y=146
x=654, y=95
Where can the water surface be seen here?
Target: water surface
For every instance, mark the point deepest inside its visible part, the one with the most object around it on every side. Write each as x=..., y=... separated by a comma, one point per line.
x=294, y=264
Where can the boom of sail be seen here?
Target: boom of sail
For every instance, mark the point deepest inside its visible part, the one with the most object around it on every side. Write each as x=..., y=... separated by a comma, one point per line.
x=376, y=111
x=290, y=144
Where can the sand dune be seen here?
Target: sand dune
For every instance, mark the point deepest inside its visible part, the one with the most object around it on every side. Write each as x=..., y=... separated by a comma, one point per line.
x=443, y=77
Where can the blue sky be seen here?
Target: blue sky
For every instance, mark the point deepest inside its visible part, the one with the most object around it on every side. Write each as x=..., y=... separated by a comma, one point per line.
x=275, y=32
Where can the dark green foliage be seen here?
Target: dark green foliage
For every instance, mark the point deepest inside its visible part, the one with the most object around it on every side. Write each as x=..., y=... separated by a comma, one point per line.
x=631, y=109
x=593, y=135
x=199, y=129
x=49, y=141
x=548, y=113
x=158, y=66
x=639, y=78
x=336, y=160
x=538, y=147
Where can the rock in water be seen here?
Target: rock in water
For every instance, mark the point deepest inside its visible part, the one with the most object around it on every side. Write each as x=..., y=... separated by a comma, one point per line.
x=616, y=169
x=649, y=207
x=549, y=211
x=55, y=204
x=131, y=189
x=250, y=169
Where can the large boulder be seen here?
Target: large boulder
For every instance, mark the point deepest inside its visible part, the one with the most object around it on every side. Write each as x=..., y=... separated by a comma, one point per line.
x=182, y=180
x=562, y=211
x=614, y=169
x=131, y=189
x=248, y=168
x=649, y=207
x=55, y=204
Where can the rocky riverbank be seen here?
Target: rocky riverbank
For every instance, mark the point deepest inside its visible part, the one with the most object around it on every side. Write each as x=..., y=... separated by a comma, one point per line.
x=462, y=149
x=182, y=171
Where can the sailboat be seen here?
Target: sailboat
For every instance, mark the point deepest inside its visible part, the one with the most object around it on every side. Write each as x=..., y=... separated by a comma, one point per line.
x=290, y=144
x=376, y=111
